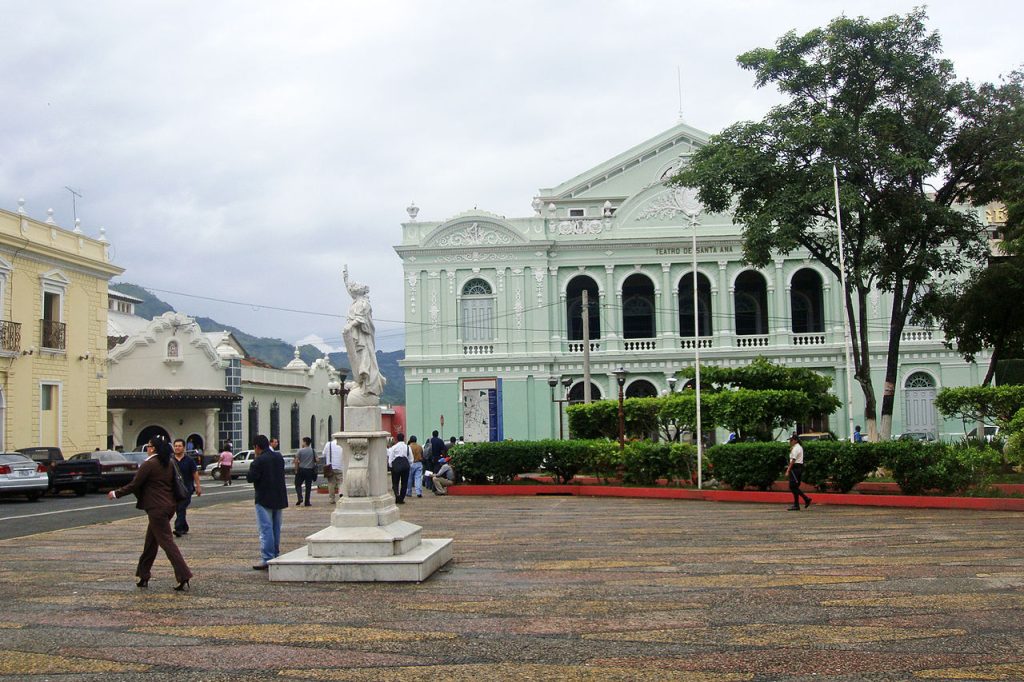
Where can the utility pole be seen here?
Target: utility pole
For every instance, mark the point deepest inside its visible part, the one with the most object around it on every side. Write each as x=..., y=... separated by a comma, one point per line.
x=585, y=313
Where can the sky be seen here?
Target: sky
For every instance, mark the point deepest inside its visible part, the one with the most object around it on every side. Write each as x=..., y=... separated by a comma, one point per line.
x=239, y=153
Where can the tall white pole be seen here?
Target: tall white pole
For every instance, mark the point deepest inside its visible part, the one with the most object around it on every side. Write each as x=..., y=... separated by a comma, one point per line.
x=585, y=313
x=847, y=339
x=696, y=346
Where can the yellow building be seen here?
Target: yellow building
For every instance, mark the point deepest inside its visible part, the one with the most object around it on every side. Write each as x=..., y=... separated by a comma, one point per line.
x=53, y=335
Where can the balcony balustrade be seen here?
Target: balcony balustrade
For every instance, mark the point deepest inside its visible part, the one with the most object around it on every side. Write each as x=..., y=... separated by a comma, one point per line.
x=478, y=349
x=10, y=336
x=53, y=335
x=917, y=335
x=691, y=343
x=578, y=346
x=808, y=339
x=633, y=345
x=752, y=341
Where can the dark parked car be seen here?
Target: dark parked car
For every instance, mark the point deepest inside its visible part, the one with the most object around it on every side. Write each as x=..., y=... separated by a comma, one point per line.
x=115, y=468
x=20, y=475
x=47, y=456
x=137, y=457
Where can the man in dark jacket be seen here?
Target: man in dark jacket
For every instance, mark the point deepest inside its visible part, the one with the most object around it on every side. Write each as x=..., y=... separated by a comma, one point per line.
x=267, y=477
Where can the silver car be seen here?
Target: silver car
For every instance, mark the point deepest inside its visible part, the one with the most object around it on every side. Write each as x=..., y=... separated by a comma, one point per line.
x=20, y=475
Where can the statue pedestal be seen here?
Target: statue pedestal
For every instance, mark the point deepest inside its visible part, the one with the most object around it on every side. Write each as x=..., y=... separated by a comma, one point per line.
x=366, y=541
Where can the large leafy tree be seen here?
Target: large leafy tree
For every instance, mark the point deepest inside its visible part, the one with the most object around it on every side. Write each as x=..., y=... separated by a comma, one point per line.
x=910, y=142
x=983, y=312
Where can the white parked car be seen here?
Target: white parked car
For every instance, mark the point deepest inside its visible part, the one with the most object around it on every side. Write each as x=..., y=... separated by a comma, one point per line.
x=243, y=460
x=20, y=475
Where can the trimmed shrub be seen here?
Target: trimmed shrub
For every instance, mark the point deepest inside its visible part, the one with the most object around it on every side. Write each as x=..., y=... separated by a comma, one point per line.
x=741, y=464
x=920, y=467
x=566, y=458
x=839, y=465
x=499, y=462
x=600, y=419
x=645, y=462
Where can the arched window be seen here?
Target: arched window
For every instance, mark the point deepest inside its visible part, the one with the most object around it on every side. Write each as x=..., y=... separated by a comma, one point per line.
x=295, y=425
x=574, y=308
x=686, y=305
x=641, y=388
x=920, y=380
x=576, y=392
x=254, y=420
x=807, y=302
x=477, y=314
x=751, y=300
x=638, y=308
x=275, y=420
x=312, y=430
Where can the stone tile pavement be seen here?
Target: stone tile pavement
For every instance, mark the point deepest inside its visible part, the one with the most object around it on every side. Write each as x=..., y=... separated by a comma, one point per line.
x=542, y=588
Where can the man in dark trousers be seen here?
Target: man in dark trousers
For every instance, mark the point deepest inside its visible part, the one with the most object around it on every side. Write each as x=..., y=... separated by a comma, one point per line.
x=190, y=474
x=432, y=461
x=267, y=477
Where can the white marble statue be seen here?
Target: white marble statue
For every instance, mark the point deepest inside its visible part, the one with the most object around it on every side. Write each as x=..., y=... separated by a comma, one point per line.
x=367, y=383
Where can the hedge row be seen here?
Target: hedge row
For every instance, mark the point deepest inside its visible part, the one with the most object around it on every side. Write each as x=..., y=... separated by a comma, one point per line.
x=642, y=462
x=829, y=465
x=838, y=465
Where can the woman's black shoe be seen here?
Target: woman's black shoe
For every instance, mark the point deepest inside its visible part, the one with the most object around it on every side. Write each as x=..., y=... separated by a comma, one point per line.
x=182, y=586
x=793, y=508
x=143, y=582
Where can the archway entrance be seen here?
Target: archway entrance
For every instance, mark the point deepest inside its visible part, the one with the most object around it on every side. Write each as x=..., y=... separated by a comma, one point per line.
x=641, y=388
x=149, y=433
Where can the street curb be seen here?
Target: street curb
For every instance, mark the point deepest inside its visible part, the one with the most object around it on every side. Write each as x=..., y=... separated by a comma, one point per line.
x=908, y=501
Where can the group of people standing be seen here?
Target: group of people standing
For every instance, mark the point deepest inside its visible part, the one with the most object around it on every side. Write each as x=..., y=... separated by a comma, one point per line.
x=414, y=466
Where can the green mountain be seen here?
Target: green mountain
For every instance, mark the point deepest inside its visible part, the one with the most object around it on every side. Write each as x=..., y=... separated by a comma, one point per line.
x=274, y=351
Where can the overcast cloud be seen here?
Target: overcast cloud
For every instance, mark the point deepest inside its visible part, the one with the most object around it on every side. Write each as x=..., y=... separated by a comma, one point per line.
x=246, y=150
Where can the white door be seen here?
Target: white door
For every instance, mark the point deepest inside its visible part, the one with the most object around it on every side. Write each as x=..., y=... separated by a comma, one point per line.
x=919, y=405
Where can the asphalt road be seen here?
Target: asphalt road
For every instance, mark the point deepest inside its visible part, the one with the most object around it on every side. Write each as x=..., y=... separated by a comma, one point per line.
x=19, y=517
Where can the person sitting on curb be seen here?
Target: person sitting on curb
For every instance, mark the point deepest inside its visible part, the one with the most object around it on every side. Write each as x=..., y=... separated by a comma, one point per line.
x=444, y=478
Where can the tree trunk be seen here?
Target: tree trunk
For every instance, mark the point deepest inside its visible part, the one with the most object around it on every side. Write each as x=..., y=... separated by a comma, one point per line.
x=861, y=355
x=991, y=367
x=901, y=299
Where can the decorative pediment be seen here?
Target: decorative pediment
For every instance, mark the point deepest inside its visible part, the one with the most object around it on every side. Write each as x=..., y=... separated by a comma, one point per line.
x=181, y=326
x=475, y=229
x=55, y=277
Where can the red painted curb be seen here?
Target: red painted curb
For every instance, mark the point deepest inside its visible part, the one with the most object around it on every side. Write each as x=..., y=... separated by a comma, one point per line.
x=907, y=501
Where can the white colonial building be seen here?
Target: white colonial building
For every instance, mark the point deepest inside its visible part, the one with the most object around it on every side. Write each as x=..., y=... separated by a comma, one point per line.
x=167, y=377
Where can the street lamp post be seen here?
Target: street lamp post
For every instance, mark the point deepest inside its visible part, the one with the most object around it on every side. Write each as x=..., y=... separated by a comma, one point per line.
x=620, y=379
x=338, y=388
x=566, y=383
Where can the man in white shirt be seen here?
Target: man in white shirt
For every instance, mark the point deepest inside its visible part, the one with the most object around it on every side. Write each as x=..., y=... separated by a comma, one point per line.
x=795, y=473
x=332, y=469
x=399, y=463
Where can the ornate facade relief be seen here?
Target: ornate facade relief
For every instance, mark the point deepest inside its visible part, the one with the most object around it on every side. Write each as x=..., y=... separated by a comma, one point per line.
x=451, y=283
x=474, y=256
x=435, y=310
x=474, y=235
x=518, y=307
x=538, y=275
x=580, y=226
x=413, y=280
x=674, y=201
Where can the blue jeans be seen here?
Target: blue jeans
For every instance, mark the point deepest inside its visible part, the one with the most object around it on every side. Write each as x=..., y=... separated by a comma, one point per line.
x=415, y=478
x=269, y=523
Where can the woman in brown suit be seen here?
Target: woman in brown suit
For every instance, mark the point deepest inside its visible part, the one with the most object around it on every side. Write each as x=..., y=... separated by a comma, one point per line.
x=153, y=486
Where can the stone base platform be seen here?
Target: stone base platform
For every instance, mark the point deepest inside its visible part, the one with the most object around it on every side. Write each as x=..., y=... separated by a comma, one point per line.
x=415, y=565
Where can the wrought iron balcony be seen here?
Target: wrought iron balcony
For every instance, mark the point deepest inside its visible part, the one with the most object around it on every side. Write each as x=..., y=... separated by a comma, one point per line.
x=54, y=335
x=10, y=336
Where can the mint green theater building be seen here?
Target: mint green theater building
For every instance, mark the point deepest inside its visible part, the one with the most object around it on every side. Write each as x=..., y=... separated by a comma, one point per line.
x=493, y=306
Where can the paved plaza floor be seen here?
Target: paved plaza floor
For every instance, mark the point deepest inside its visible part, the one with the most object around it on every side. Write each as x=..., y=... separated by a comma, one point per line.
x=541, y=588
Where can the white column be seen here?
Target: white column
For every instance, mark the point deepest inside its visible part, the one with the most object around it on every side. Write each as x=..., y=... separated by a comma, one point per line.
x=724, y=323
x=610, y=297
x=665, y=319
x=211, y=444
